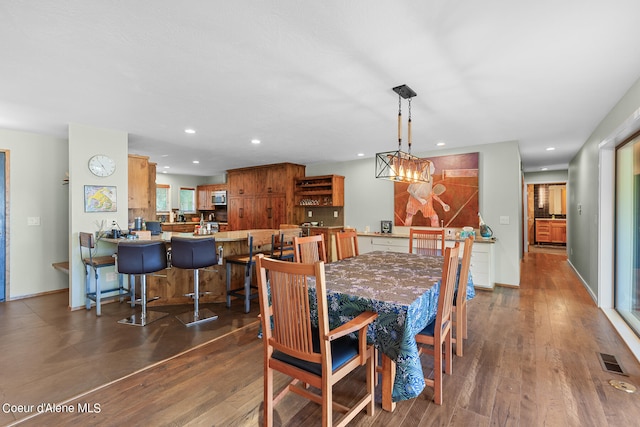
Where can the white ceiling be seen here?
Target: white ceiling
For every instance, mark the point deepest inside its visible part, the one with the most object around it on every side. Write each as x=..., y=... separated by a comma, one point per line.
x=312, y=80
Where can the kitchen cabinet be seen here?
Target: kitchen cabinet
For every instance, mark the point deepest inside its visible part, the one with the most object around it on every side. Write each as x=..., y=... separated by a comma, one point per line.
x=551, y=231
x=204, y=193
x=262, y=196
x=204, y=198
x=247, y=213
x=326, y=190
x=141, y=187
x=179, y=227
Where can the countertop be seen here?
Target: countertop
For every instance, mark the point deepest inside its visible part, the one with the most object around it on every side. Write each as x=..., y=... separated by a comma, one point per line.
x=551, y=219
x=222, y=236
x=190, y=222
x=478, y=239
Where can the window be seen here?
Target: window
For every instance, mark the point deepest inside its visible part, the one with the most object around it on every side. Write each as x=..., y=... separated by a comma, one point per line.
x=163, y=198
x=627, y=239
x=187, y=199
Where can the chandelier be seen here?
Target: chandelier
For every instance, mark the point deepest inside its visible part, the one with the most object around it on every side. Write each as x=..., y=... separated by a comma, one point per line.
x=398, y=165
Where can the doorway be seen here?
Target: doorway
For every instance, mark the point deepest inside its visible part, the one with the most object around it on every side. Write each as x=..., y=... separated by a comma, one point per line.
x=546, y=217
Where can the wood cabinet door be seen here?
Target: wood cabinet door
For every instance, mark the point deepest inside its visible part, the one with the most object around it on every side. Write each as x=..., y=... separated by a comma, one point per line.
x=204, y=198
x=276, y=211
x=237, y=214
x=558, y=232
x=139, y=182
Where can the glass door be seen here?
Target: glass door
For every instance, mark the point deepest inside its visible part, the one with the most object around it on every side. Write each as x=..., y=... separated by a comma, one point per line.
x=627, y=234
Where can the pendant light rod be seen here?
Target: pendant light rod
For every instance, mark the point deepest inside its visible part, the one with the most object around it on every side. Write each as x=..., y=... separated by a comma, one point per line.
x=401, y=166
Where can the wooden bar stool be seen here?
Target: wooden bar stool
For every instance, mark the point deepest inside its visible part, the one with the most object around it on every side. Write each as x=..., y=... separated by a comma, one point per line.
x=139, y=259
x=194, y=254
x=258, y=241
x=95, y=263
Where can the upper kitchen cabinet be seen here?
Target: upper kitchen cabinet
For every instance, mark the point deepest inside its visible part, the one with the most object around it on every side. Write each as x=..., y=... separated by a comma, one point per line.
x=142, y=187
x=205, y=202
x=325, y=190
x=262, y=196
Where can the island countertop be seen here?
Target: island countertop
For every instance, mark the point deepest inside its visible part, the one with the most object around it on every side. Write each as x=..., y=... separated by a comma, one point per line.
x=221, y=236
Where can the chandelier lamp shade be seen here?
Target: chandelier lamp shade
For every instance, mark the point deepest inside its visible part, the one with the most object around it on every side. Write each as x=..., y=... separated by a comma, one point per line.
x=398, y=165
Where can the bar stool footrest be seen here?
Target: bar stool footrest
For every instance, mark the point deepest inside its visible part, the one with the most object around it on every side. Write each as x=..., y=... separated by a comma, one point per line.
x=138, y=319
x=190, y=318
x=192, y=294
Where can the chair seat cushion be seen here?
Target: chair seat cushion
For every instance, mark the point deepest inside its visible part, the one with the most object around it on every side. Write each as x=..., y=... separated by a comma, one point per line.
x=429, y=330
x=342, y=350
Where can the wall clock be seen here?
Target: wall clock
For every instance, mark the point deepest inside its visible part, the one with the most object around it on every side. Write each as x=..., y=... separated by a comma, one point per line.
x=101, y=165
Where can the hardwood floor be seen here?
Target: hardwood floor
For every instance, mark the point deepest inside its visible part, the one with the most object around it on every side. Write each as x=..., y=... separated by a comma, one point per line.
x=531, y=360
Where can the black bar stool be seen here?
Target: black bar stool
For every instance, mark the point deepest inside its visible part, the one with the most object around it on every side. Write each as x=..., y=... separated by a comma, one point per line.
x=139, y=259
x=193, y=254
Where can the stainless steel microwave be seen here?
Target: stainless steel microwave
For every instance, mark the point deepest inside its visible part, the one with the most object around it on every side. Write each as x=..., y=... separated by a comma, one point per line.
x=219, y=198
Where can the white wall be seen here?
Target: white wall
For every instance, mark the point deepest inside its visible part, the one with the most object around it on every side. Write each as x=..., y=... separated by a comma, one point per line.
x=369, y=200
x=37, y=166
x=84, y=142
x=591, y=229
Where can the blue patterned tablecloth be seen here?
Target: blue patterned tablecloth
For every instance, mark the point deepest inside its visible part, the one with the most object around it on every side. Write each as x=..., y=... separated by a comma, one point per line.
x=403, y=289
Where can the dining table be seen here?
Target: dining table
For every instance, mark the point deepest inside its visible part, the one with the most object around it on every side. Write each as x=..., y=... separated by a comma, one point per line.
x=403, y=288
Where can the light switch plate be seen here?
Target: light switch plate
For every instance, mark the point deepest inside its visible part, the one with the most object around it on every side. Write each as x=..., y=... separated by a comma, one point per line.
x=504, y=220
x=33, y=220
x=310, y=214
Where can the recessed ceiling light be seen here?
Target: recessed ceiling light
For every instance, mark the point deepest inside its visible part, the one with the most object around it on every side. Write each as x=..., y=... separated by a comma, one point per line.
x=360, y=154
x=164, y=172
x=195, y=162
x=440, y=144
x=166, y=167
x=551, y=148
x=544, y=169
x=189, y=131
x=255, y=141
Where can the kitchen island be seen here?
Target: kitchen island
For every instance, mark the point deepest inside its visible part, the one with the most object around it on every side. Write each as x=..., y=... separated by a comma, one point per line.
x=171, y=284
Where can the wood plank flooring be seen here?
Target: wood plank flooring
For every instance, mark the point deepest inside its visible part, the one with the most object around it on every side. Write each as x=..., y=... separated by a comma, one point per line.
x=531, y=360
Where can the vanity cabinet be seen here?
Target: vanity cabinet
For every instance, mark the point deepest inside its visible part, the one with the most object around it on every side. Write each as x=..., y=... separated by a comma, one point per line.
x=551, y=231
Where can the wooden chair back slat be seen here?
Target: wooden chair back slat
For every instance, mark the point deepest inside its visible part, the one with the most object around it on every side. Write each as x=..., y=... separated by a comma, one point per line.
x=347, y=244
x=310, y=249
x=426, y=242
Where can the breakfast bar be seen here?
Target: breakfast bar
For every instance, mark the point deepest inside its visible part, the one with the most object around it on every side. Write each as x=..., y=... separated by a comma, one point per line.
x=172, y=284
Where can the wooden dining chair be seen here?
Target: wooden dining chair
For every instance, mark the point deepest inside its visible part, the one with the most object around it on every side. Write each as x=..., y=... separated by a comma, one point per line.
x=309, y=249
x=438, y=333
x=282, y=243
x=426, y=242
x=460, y=298
x=347, y=244
x=310, y=355
x=257, y=241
